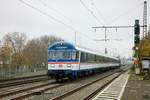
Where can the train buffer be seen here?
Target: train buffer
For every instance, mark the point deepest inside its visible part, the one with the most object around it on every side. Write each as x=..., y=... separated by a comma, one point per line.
x=114, y=90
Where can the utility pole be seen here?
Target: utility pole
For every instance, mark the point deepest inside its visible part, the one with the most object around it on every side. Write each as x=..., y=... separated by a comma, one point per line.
x=105, y=40
x=75, y=38
x=136, y=47
x=145, y=20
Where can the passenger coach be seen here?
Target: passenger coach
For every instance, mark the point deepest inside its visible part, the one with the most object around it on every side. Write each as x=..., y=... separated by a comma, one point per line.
x=67, y=61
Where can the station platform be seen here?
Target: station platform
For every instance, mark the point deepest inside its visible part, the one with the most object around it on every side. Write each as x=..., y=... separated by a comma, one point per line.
x=114, y=91
x=136, y=89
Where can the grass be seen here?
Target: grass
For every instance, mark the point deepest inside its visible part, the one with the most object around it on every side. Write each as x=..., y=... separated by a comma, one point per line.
x=143, y=77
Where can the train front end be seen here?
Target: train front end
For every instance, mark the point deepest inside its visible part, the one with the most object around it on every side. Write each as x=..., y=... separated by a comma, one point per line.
x=63, y=60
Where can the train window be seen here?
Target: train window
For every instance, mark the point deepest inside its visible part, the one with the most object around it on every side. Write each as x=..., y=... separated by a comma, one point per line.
x=77, y=55
x=52, y=55
x=83, y=57
x=60, y=55
x=66, y=55
x=73, y=55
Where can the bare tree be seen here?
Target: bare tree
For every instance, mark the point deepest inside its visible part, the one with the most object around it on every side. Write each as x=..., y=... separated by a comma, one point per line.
x=5, y=54
x=36, y=50
x=17, y=42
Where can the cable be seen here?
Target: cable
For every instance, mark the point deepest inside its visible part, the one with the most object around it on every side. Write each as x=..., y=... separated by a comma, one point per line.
x=125, y=13
x=91, y=12
x=44, y=13
x=44, y=4
x=98, y=11
x=58, y=12
x=51, y=17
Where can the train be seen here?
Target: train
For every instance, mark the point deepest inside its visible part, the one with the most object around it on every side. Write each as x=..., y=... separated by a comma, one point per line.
x=66, y=60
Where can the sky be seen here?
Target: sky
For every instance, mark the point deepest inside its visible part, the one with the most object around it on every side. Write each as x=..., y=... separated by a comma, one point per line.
x=73, y=20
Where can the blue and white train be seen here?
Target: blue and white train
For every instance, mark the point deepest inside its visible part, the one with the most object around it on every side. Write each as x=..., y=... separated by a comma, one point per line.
x=68, y=61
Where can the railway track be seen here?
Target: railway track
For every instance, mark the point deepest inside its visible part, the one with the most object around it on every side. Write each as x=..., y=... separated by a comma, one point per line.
x=23, y=91
x=77, y=93
x=89, y=90
x=39, y=89
x=22, y=80
x=18, y=89
x=32, y=91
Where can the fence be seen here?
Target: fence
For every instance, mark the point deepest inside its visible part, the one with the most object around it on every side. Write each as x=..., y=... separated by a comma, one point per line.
x=7, y=72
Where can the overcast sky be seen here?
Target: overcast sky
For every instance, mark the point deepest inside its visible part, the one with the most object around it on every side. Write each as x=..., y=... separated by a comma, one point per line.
x=67, y=17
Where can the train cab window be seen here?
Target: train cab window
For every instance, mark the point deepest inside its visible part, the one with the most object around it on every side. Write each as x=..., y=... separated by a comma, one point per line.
x=63, y=55
x=52, y=55
x=66, y=55
x=73, y=55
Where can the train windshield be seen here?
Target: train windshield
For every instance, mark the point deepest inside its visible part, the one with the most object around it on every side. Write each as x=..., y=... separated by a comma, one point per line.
x=63, y=55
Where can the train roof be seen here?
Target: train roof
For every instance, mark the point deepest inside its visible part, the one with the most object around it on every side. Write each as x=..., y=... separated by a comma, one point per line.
x=68, y=46
x=94, y=52
x=62, y=46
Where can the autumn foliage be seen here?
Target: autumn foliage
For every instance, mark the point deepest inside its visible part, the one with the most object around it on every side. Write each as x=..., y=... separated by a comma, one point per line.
x=16, y=51
x=145, y=46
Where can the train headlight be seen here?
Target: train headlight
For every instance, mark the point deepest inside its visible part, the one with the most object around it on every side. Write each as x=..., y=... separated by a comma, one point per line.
x=68, y=65
x=52, y=65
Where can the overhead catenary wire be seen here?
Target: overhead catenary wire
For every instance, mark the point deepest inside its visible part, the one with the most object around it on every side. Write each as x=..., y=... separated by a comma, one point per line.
x=44, y=4
x=53, y=18
x=126, y=13
x=98, y=11
x=55, y=10
x=91, y=12
x=44, y=13
x=61, y=14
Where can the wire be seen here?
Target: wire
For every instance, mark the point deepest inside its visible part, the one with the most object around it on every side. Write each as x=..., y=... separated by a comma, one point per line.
x=44, y=4
x=125, y=13
x=98, y=11
x=51, y=17
x=44, y=13
x=91, y=12
x=61, y=14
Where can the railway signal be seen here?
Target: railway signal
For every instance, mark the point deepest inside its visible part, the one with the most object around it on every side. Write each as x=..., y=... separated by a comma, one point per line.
x=136, y=32
x=136, y=39
x=136, y=28
x=136, y=42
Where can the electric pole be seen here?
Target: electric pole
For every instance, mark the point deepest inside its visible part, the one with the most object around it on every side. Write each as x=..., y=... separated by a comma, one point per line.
x=136, y=47
x=145, y=20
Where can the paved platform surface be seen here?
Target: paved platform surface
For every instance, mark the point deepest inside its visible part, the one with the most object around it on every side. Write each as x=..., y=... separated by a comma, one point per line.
x=114, y=90
x=137, y=89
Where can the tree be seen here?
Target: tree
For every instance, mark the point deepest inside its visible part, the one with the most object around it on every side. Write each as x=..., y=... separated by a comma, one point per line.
x=145, y=46
x=16, y=41
x=5, y=54
x=45, y=42
x=35, y=50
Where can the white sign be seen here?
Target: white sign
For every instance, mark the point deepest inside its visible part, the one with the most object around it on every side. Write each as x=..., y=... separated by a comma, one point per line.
x=146, y=64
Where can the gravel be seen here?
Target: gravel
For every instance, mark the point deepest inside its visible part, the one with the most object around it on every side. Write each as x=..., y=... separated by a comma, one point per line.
x=80, y=95
x=63, y=89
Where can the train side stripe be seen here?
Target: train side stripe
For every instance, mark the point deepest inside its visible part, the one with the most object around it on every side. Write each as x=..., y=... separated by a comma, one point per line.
x=63, y=63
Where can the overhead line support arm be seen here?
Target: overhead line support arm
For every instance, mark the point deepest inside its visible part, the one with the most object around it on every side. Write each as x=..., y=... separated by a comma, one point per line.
x=117, y=26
